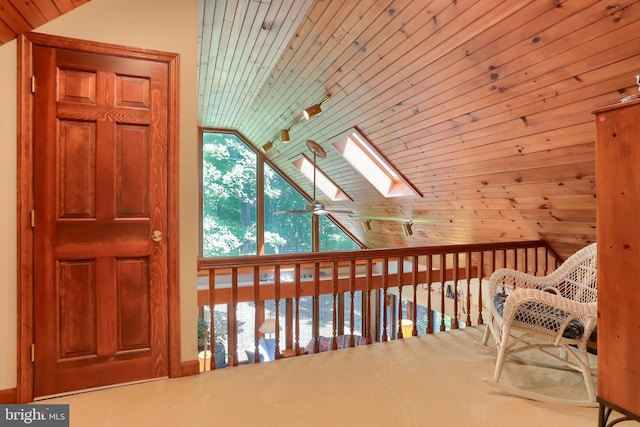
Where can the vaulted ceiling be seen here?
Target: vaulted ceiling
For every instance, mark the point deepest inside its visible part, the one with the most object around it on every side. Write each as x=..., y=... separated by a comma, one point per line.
x=484, y=106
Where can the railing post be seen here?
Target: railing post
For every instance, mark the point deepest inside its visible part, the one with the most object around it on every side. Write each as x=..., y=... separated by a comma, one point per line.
x=334, y=287
x=212, y=329
x=276, y=300
x=366, y=303
x=385, y=287
x=232, y=318
x=429, y=283
x=352, y=289
x=400, y=273
x=316, y=306
x=480, y=285
x=296, y=278
x=468, y=299
x=414, y=282
x=454, y=320
x=257, y=315
x=443, y=282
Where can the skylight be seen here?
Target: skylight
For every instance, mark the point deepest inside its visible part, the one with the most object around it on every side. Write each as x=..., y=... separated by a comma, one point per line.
x=323, y=182
x=373, y=166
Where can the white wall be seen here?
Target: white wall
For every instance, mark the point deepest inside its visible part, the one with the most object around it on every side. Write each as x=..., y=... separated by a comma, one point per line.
x=8, y=259
x=164, y=25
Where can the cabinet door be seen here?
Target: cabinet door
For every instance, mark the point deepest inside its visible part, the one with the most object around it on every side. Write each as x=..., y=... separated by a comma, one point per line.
x=618, y=234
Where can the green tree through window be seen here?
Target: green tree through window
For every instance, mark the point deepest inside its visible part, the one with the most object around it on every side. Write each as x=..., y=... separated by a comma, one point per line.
x=229, y=199
x=228, y=196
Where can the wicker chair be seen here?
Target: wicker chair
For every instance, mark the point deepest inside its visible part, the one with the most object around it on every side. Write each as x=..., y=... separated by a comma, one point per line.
x=542, y=313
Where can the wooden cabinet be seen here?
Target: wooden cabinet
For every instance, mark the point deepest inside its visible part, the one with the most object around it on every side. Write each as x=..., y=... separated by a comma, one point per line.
x=618, y=237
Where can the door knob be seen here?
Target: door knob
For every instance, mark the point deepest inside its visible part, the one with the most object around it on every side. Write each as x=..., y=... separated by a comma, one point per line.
x=156, y=236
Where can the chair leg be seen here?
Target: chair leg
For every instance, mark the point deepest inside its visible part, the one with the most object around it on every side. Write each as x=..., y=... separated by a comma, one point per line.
x=502, y=350
x=485, y=338
x=586, y=372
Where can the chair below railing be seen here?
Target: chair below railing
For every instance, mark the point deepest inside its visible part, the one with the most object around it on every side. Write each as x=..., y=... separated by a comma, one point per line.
x=327, y=300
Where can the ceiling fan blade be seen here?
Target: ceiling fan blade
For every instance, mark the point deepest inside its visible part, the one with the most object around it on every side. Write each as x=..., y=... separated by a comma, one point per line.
x=290, y=211
x=339, y=212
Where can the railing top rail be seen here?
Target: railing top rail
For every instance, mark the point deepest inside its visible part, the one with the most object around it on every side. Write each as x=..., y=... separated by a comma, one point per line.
x=364, y=254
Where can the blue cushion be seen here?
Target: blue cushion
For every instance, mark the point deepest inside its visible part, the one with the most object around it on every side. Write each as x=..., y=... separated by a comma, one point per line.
x=266, y=349
x=574, y=329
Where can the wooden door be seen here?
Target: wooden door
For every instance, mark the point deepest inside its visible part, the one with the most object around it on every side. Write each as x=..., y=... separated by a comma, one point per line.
x=100, y=220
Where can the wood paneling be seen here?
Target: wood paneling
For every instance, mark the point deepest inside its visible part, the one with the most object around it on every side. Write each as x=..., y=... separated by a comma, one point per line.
x=483, y=106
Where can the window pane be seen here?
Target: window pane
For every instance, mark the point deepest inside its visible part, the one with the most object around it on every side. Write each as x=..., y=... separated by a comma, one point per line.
x=334, y=239
x=284, y=233
x=228, y=196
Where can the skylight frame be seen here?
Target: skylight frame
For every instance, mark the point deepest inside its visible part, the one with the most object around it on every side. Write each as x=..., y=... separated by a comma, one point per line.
x=373, y=166
x=325, y=184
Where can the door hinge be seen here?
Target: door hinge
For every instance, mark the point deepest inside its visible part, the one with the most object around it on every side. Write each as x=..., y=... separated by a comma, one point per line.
x=33, y=84
x=33, y=218
x=33, y=352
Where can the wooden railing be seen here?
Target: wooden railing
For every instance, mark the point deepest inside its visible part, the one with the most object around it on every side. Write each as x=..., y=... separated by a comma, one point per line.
x=447, y=280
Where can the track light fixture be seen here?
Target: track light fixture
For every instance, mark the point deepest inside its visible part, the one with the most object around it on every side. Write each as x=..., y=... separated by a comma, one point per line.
x=313, y=111
x=268, y=146
x=407, y=228
x=284, y=135
x=366, y=225
x=308, y=114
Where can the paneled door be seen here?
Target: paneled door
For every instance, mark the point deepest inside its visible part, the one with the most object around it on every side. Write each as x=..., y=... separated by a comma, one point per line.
x=100, y=219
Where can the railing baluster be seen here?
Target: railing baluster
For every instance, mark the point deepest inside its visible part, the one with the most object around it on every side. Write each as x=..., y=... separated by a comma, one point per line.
x=414, y=282
x=276, y=296
x=429, y=284
x=454, y=321
x=443, y=281
x=480, y=284
x=366, y=302
x=334, y=287
x=233, y=322
x=296, y=278
x=385, y=287
x=258, y=315
x=352, y=315
x=400, y=273
x=467, y=272
x=316, y=305
x=212, y=329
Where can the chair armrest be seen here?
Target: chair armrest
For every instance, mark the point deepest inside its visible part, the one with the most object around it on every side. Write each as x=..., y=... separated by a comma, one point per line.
x=510, y=279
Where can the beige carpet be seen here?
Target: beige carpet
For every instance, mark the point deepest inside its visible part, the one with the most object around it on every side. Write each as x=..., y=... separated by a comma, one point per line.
x=433, y=380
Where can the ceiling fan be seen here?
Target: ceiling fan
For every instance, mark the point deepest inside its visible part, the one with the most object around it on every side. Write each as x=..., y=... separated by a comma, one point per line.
x=314, y=207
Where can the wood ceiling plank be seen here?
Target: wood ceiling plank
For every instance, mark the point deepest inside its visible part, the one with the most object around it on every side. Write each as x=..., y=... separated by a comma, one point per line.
x=13, y=19
x=290, y=97
x=30, y=12
x=247, y=68
x=64, y=6
x=47, y=8
x=290, y=18
x=6, y=33
x=315, y=33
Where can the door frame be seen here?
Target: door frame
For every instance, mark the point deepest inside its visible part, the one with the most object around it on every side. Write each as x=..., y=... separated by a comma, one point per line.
x=25, y=196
